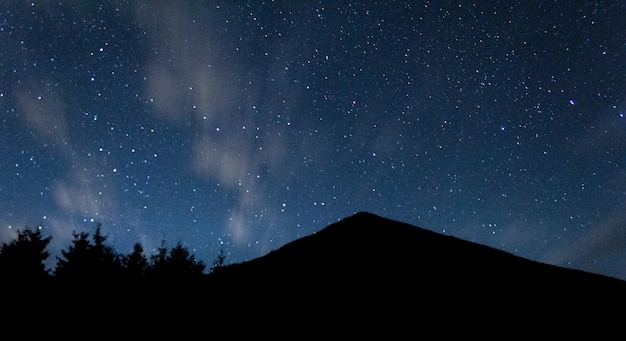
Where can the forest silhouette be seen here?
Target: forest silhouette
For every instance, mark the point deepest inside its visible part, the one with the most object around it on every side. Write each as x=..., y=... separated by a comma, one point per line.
x=92, y=283
x=360, y=273
x=89, y=258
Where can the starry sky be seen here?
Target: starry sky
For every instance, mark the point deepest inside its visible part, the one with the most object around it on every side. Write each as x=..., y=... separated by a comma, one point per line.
x=244, y=125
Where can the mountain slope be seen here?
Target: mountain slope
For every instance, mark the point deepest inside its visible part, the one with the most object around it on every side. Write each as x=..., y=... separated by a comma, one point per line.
x=362, y=276
x=367, y=264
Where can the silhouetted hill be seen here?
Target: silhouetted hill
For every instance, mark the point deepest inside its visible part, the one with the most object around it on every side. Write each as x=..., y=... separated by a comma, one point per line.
x=366, y=246
x=374, y=268
x=361, y=275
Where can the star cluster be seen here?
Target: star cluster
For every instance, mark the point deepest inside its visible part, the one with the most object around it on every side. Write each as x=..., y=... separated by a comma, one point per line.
x=243, y=125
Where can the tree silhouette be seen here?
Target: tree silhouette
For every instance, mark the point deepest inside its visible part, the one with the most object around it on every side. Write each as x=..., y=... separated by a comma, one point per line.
x=76, y=257
x=218, y=263
x=89, y=261
x=136, y=263
x=107, y=261
x=178, y=263
x=158, y=261
x=23, y=258
x=184, y=261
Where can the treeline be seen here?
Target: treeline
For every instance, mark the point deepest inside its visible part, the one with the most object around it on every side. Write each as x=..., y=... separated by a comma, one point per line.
x=91, y=258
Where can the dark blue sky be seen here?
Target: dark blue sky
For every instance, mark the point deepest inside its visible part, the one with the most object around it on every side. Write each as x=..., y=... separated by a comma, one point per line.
x=244, y=126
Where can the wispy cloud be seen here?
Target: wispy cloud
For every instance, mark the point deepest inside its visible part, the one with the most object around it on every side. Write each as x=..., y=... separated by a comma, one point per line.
x=600, y=249
x=190, y=82
x=44, y=111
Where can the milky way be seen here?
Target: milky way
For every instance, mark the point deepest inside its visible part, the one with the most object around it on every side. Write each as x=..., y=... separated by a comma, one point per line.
x=243, y=126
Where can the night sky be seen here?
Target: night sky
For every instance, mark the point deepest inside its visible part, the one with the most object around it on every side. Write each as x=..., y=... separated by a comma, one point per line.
x=243, y=126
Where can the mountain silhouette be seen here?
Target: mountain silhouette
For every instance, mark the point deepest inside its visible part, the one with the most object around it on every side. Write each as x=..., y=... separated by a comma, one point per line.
x=366, y=246
x=376, y=269
x=364, y=274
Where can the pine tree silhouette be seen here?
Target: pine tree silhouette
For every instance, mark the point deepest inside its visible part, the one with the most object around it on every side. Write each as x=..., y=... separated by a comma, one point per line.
x=85, y=260
x=136, y=263
x=23, y=259
x=218, y=263
x=178, y=263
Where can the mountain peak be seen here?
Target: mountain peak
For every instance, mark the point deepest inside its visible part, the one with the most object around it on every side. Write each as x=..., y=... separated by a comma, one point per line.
x=367, y=244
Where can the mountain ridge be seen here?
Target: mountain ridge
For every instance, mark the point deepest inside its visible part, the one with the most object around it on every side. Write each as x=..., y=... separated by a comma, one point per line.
x=351, y=229
x=366, y=244
x=409, y=276
x=362, y=274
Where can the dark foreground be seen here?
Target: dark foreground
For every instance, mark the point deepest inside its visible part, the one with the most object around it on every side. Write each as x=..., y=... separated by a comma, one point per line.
x=363, y=275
